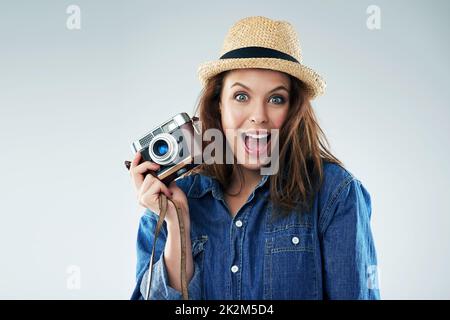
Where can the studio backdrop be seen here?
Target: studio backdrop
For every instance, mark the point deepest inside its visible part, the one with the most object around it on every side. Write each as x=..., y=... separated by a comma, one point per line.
x=81, y=80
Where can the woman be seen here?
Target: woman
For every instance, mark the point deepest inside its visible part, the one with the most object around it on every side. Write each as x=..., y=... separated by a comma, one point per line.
x=300, y=233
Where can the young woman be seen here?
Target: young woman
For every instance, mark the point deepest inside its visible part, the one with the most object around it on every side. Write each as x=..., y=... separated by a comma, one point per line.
x=301, y=233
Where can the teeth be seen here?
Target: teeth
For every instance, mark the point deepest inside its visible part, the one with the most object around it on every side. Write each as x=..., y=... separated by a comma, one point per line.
x=257, y=136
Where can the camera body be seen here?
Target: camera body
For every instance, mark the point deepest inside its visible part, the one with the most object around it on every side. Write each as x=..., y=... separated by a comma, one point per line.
x=172, y=145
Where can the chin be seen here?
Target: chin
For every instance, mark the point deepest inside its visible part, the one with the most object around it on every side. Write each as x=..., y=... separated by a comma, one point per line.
x=252, y=167
x=251, y=163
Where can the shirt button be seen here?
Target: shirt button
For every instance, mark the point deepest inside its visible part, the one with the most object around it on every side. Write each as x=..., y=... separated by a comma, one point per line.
x=295, y=240
x=234, y=269
x=239, y=223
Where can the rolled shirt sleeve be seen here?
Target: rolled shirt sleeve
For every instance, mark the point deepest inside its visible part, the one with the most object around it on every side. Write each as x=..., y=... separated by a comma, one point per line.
x=348, y=250
x=160, y=288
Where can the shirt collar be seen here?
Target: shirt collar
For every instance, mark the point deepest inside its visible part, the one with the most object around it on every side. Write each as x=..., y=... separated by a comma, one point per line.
x=203, y=184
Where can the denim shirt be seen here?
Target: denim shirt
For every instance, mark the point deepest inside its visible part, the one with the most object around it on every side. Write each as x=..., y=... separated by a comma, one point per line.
x=327, y=253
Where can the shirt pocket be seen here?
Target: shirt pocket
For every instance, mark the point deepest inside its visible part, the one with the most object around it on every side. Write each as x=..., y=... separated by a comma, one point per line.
x=289, y=267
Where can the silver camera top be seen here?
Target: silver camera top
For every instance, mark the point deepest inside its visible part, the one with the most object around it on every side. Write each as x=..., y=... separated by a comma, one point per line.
x=167, y=127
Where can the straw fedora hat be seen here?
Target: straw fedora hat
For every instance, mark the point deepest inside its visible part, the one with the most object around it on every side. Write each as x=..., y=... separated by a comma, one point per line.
x=260, y=42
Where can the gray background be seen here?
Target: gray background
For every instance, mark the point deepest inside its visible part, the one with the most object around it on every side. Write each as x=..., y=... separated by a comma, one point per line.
x=72, y=101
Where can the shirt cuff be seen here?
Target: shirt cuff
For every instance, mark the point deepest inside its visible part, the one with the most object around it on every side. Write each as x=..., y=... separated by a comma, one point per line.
x=161, y=290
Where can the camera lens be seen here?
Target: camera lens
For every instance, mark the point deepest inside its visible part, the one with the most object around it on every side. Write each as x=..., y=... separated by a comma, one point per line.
x=160, y=148
x=163, y=149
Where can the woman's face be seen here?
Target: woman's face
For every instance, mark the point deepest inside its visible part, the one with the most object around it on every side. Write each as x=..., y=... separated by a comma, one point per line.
x=252, y=102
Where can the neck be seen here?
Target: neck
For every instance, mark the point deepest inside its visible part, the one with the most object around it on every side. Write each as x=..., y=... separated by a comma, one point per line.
x=250, y=179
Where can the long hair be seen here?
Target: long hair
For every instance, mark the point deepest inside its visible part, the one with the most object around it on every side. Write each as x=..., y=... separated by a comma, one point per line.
x=303, y=148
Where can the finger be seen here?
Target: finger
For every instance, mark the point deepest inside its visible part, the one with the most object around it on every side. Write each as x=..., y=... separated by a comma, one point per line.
x=137, y=173
x=145, y=166
x=149, y=198
x=148, y=181
x=173, y=185
x=174, y=188
x=137, y=158
x=151, y=182
x=159, y=187
x=138, y=176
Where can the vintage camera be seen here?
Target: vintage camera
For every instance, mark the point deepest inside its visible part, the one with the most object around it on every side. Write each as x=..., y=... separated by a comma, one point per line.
x=173, y=145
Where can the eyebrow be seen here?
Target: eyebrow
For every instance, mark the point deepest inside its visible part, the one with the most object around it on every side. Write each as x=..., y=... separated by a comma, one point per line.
x=275, y=89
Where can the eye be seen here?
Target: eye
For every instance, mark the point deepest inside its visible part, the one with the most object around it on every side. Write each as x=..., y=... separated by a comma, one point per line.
x=278, y=99
x=241, y=97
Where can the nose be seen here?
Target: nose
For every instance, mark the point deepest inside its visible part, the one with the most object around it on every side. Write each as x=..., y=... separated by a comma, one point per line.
x=258, y=114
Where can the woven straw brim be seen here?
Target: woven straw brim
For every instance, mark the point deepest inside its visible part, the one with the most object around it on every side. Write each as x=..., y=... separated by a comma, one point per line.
x=316, y=85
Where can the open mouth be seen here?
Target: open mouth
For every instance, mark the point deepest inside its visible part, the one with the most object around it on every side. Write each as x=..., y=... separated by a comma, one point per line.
x=256, y=142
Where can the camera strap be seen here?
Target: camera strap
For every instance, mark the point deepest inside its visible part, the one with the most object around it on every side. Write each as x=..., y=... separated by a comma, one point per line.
x=163, y=204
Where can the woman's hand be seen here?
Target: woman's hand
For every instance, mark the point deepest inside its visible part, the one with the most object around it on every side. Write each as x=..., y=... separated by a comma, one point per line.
x=149, y=189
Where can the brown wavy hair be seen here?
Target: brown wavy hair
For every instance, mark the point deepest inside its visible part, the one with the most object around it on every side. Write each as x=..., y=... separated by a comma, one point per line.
x=303, y=148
